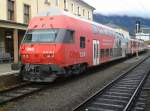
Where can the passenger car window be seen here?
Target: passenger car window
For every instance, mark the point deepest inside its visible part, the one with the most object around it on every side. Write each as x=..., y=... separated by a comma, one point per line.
x=95, y=29
x=82, y=42
x=69, y=38
x=49, y=36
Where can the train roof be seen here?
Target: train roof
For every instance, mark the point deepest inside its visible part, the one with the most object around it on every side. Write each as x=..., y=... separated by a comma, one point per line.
x=58, y=12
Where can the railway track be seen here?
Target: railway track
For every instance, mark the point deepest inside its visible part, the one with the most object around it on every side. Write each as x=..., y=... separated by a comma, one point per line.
x=20, y=91
x=122, y=93
x=141, y=103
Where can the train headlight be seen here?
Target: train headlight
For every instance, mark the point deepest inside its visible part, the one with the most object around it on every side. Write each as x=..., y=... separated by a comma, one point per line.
x=23, y=56
x=26, y=56
x=46, y=55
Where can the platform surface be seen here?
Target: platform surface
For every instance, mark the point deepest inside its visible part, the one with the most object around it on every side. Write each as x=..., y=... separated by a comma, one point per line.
x=5, y=69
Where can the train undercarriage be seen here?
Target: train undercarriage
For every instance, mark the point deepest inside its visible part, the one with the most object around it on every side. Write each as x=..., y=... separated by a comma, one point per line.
x=49, y=72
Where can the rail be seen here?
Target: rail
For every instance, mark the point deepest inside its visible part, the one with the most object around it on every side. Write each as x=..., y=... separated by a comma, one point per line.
x=20, y=91
x=121, y=93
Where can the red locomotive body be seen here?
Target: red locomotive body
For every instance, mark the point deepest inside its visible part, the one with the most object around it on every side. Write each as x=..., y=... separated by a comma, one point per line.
x=62, y=45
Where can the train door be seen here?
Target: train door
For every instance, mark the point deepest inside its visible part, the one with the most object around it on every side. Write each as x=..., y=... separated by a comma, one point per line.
x=96, y=52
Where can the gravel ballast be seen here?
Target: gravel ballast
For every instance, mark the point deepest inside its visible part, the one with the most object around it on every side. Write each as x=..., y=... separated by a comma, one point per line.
x=64, y=96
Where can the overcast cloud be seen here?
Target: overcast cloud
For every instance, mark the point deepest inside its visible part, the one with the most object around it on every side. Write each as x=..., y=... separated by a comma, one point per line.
x=139, y=8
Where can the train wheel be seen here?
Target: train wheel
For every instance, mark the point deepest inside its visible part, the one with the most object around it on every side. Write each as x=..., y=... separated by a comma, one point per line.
x=68, y=71
x=83, y=68
x=21, y=72
x=78, y=69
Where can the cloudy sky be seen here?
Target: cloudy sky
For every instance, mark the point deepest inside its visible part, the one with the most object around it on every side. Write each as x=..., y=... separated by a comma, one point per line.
x=122, y=7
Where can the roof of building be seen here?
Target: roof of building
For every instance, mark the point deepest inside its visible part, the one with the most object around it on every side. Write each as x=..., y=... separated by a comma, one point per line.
x=83, y=1
x=145, y=29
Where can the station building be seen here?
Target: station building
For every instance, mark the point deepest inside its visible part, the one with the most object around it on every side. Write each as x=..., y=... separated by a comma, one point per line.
x=144, y=33
x=15, y=15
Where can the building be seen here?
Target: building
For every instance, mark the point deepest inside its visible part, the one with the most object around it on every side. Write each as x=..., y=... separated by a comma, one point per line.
x=144, y=33
x=15, y=15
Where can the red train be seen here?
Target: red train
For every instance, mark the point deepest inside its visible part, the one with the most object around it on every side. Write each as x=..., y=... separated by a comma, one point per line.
x=61, y=45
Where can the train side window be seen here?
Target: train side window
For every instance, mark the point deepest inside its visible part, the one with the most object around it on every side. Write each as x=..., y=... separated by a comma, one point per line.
x=105, y=31
x=108, y=33
x=69, y=36
x=95, y=29
x=65, y=36
x=107, y=52
x=102, y=53
x=82, y=42
x=100, y=30
x=111, y=52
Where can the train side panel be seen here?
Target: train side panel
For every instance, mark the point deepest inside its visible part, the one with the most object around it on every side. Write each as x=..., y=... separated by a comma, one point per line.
x=63, y=45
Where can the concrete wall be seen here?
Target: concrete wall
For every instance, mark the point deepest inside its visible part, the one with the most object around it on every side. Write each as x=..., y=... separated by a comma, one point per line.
x=3, y=10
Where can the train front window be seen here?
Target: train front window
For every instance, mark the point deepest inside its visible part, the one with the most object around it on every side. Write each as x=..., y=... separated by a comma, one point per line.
x=40, y=36
x=49, y=36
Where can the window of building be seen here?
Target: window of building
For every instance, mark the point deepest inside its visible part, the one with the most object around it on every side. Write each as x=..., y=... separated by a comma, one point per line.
x=83, y=12
x=11, y=10
x=78, y=8
x=82, y=42
x=72, y=7
x=65, y=4
x=57, y=2
x=88, y=15
x=26, y=13
x=47, y=2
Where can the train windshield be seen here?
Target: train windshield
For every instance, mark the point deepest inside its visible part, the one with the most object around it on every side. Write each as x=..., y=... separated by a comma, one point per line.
x=48, y=36
x=40, y=36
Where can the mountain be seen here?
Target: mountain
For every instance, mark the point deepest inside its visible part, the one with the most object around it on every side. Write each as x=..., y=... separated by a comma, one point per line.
x=125, y=22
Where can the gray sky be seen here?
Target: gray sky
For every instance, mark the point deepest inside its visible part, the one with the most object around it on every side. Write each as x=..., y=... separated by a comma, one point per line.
x=122, y=7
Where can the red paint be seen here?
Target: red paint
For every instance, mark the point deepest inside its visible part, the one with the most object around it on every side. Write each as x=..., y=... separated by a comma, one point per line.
x=64, y=54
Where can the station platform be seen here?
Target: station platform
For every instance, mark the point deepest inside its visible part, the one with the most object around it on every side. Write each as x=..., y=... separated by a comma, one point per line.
x=8, y=77
x=5, y=69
